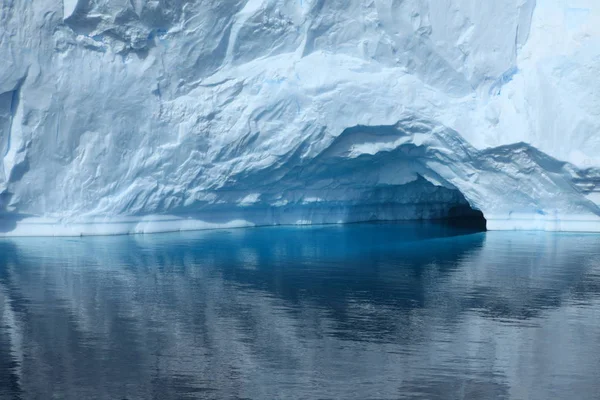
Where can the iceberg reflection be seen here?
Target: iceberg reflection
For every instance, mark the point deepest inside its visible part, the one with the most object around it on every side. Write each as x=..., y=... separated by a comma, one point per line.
x=357, y=311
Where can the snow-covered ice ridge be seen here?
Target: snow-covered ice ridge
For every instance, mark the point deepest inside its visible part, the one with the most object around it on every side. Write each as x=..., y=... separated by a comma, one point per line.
x=120, y=116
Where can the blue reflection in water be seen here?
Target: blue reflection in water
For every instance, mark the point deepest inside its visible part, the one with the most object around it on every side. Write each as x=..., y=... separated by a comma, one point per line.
x=358, y=311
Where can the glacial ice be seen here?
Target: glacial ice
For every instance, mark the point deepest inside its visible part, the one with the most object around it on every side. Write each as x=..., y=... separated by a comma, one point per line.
x=152, y=115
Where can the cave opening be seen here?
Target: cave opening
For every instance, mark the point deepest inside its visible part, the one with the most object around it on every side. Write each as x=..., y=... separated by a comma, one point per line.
x=463, y=216
x=418, y=200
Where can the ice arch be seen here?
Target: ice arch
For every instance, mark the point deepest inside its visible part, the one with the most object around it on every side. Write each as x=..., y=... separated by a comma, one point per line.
x=414, y=169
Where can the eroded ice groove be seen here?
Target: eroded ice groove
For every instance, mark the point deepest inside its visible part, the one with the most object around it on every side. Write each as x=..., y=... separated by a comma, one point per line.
x=147, y=116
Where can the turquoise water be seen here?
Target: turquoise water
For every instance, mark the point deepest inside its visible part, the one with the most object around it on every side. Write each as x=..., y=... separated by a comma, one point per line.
x=382, y=311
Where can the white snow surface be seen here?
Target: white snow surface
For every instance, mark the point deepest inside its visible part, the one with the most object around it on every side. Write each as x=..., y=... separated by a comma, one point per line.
x=122, y=116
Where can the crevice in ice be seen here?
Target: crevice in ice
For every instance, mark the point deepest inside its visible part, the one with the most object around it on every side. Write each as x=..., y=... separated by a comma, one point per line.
x=524, y=23
x=16, y=97
x=9, y=104
x=506, y=77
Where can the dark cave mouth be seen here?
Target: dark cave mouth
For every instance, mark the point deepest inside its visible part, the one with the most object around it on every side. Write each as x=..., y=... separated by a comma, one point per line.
x=419, y=200
x=464, y=216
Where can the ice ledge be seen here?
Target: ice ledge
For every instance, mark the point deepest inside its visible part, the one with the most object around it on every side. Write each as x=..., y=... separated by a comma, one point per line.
x=169, y=223
x=42, y=227
x=534, y=222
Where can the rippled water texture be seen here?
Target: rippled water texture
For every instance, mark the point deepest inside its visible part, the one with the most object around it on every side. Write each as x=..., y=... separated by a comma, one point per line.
x=358, y=311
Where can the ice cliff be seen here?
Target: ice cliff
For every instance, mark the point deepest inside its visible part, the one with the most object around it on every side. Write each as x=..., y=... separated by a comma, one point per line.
x=122, y=116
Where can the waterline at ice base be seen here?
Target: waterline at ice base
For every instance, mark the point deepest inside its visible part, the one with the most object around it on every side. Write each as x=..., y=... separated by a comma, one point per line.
x=149, y=116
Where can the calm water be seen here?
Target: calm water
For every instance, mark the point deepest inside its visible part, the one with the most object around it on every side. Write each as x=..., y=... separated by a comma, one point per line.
x=383, y=311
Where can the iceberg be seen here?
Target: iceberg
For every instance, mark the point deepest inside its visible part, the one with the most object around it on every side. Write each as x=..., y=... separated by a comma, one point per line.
x=149, y=116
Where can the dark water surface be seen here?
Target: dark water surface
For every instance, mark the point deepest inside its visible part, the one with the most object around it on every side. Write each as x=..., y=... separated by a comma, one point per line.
x=382, y=311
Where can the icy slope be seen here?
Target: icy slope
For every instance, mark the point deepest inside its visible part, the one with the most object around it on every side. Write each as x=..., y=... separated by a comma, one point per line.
x=124, y=116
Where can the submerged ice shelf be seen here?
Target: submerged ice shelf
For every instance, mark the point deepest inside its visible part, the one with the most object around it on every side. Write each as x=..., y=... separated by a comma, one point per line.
x=144, y=116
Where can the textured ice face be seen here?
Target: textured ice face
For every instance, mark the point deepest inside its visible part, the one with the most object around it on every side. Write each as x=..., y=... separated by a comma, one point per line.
x=173, y=114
